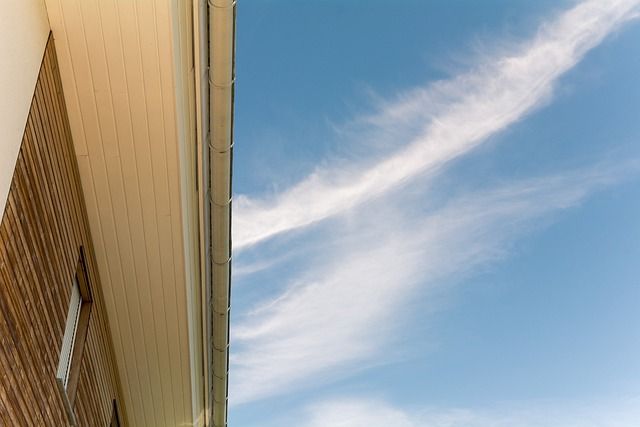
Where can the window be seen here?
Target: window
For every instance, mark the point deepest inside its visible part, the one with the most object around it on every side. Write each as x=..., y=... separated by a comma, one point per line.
x=75, y=333
x=70, y=333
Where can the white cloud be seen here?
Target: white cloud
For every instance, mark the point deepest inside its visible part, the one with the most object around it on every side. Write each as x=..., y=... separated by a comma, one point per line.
x=362, y=412
x=342, y=312
x=453, y=117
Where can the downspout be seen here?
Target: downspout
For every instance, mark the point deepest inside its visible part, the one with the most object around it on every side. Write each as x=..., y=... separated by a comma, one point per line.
x=220, y=149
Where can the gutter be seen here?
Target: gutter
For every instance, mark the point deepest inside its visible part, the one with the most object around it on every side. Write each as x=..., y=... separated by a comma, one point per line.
x=221, y=89
x=214, y=49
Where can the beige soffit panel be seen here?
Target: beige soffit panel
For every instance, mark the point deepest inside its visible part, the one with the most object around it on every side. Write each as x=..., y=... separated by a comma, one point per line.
x=24, y=30
x=118, y=70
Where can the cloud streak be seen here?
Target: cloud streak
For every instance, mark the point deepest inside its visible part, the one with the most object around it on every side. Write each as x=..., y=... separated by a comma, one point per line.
x=452, y=117
x=372, y=249
x=343, y=310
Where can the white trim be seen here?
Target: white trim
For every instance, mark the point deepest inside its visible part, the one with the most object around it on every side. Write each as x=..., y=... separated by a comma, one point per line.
x=186, y=105
x=201, y=63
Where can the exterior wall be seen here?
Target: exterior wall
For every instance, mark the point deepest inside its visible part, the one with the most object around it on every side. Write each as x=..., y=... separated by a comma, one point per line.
x=24, y=28
x=43, y=227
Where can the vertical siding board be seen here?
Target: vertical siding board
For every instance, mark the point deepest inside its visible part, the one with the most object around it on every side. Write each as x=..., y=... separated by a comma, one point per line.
x=51, y=233
x=4, y=414
x=46, y=360
x=34, y=330
x=50, y=211
x=25, y=194
x=54, y=295
x=32, y=204
x=51, y=113
x=18, y=377
x=55, y=212
x=43, y=328
x=10, y=394
x=42, y=207
x=42, y=229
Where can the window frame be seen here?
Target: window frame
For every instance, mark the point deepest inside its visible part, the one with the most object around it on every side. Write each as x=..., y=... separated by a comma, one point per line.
x=68, y=378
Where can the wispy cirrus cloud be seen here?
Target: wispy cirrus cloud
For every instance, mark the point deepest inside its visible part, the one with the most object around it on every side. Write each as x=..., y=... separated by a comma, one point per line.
x=443, y=121
x=342, y=311
x=382, y=246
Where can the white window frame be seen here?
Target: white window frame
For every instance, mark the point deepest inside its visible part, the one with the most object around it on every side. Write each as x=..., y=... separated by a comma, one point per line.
x=73, y=340
x=64, y=365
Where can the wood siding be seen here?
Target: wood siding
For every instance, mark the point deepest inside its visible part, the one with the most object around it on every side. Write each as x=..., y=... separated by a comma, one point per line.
x=43, y=227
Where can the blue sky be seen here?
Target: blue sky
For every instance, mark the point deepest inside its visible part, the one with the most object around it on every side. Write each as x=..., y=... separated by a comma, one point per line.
x=436, y=214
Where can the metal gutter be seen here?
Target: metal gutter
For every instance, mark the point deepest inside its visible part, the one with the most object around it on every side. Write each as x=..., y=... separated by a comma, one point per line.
x=214, y=63
x=221, y=78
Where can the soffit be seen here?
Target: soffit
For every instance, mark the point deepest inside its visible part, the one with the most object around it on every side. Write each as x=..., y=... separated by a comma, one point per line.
x=117, y=66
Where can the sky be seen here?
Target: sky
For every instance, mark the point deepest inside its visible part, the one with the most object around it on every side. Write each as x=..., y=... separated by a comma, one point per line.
x=436, y=216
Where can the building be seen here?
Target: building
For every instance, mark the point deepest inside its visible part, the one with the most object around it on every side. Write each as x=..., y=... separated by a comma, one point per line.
x=115, y=188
